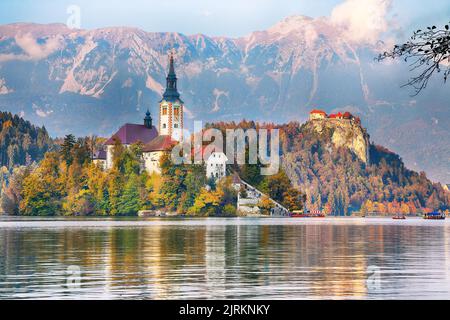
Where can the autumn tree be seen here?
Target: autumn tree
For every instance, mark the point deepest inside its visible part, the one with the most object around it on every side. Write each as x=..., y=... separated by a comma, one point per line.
x=293, y=199
x=265, y=205
x=12, y=193
x=42, y=189
x=206, y=203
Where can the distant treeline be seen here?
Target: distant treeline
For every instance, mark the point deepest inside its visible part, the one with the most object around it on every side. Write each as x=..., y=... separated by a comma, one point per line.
x=21, y=142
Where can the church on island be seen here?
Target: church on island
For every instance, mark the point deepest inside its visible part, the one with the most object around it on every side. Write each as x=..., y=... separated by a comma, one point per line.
x=156, y=141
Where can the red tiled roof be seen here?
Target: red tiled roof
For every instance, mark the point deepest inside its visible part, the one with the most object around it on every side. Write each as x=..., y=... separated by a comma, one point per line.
x=332, y=116
x=347, y=114
x=318, y=112
x=131, y=133
x=160, y=143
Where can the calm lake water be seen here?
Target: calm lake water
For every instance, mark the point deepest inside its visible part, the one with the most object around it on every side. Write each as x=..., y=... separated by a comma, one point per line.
x=332, y=258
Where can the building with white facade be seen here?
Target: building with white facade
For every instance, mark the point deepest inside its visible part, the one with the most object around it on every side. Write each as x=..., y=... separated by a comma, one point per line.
x=155, y=140
x=99, y=159
x=216, y=165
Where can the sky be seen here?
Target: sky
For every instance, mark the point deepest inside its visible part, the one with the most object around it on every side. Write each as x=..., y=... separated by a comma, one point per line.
x=232, y=18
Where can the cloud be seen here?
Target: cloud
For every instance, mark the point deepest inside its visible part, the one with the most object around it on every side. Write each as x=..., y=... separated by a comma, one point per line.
x=34, y=50
x=40, y=112
x=363, y=21
x=11, y=56
x=206, y=13
x=3, y=88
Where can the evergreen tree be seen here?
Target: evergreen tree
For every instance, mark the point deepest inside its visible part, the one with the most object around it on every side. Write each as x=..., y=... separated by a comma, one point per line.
x=130, y=200
x=66, y=148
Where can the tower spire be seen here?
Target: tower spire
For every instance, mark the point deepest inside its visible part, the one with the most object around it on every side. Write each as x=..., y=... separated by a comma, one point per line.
x=171, y=106
x=171, y=67
x=171, y=94
x=148, y=120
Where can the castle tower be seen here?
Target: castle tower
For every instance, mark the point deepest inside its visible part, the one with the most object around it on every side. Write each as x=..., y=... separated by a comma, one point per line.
x=171, y=107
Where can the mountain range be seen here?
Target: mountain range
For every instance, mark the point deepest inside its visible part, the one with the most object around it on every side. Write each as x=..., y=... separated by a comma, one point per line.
x=93, y=81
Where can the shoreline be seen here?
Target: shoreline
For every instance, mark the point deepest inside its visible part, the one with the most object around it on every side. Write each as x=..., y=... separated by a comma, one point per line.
x=187, y=218
x=39, y=224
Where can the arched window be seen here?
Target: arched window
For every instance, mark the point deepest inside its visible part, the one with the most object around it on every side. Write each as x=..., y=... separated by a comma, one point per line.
x=164, y=111
x=164, y=125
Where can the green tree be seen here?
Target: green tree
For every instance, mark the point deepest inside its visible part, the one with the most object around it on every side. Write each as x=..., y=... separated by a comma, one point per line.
x=130, y=200
x=66, y=148
x=195, y=180
x=115, y=189
x=173, y=185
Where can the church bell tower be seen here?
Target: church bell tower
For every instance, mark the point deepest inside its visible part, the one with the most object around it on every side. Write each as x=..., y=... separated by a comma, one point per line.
x=148, y=120
x=171, y=107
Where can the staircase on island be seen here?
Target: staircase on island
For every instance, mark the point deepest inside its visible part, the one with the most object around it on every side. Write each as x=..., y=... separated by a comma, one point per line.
x=254, y=196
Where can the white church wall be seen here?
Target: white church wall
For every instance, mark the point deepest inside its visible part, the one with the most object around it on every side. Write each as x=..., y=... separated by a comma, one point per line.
x=151, y=161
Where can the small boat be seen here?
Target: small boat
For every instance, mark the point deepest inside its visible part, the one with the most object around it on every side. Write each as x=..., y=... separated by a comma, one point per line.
x=434, y=216
x=150, y=213
x=399, y=217
x=308, y=214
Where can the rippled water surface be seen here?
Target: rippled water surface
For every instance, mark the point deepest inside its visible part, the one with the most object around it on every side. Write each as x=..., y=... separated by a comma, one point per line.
x=225, y=259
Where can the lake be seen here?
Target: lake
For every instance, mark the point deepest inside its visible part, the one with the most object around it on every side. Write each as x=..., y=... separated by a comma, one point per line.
x=219, y=258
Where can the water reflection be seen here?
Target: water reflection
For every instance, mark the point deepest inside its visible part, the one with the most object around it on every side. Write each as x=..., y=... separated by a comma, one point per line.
x=227, y=260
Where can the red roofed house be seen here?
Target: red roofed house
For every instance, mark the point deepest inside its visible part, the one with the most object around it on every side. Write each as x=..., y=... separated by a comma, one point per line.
x=129, y=134
x=317, y=115
x=347, y=115
x=155, y=141
x=153, y=151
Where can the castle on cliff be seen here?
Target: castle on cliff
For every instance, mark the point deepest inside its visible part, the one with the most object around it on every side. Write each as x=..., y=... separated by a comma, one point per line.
x=322, y=115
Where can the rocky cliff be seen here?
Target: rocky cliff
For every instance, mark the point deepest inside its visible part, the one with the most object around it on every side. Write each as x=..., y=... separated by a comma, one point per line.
x=334, y=164
x=345, y=133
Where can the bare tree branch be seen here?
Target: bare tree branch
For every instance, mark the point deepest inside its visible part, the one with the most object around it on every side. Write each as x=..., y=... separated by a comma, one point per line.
x=427, y=51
